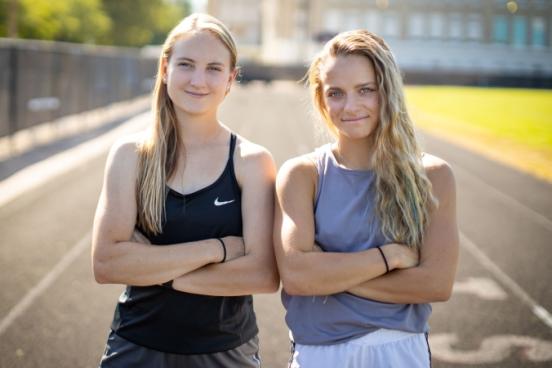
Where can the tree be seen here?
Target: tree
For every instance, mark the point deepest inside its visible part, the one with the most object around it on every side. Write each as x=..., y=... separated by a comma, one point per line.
x=109, y=22
x=67, y=20
x=141, y=22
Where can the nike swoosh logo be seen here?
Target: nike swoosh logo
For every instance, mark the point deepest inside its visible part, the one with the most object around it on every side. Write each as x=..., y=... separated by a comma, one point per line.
x=217, y=203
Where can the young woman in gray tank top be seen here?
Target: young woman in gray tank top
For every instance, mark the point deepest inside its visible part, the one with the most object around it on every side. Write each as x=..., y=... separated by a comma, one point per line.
x=365, y=228
x=203, y=197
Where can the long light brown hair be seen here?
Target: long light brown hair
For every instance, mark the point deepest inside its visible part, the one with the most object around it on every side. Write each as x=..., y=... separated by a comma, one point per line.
x=159, y=151
x=403, y=190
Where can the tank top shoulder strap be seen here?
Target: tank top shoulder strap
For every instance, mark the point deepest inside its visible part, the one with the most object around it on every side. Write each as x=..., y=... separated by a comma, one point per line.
x=230, y=164
x=233, y=139
x=321, y=157
x=321, y=161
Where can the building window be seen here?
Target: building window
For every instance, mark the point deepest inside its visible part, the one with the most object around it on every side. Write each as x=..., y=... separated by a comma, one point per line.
x=333, y=20
x=352, y=20
x=520, y=31
x=436, y=25
x=474, y=27
x=391, y=25
x=500, y=29
x=538, y=31
x=455, y=26
x=371, y=22
x=416, y=25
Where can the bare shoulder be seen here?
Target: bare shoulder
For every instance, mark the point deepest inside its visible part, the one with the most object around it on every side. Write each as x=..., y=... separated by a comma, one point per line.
x=126, y=148
x=441, y=176
x=253, y=164
x=252, y=153
x=251, y=158
x=123, y=157
x=300, y=170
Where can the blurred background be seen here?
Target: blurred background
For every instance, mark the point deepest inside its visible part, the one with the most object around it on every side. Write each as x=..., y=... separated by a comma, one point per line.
x=75, y=75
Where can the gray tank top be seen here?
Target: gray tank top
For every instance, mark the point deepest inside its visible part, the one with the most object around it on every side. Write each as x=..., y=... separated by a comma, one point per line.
x=345, y=221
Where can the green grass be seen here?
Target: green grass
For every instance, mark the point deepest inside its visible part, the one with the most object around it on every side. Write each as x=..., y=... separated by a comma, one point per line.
x=512, y=125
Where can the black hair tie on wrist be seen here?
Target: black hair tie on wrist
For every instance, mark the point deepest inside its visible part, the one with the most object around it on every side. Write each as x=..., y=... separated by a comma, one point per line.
x=384, y=260
x=223, y=249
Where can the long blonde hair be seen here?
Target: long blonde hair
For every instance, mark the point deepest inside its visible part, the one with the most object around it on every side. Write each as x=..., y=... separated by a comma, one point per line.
x=159, y=151
x=403, y=191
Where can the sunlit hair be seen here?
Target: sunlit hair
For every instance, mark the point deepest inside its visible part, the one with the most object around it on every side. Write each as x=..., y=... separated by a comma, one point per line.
x=159, y=150
x=403, y=191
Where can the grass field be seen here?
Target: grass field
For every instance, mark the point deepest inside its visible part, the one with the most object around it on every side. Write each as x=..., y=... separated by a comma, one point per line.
x=513, y=126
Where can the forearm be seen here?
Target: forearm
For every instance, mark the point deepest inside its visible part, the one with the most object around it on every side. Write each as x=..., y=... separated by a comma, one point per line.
x=144, y=264
x=405, y=286
x=242, y=276
x=324, y=273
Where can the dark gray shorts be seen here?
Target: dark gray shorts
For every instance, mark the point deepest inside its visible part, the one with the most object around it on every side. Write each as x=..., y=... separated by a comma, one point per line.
x=123, y=353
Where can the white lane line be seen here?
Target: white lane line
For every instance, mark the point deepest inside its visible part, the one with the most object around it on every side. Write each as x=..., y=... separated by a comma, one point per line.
x=526, y=211
x=506, y=281
x=482, y=287
x=44, y=283
x=41, y=172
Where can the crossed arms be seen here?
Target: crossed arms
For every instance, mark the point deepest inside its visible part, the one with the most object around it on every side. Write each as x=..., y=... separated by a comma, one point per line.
x=306, y=271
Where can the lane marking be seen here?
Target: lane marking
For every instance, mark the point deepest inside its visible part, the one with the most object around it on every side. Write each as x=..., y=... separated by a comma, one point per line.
x=493, y=349
x=38, y=174
x=526, y=211
x=506, y=281
x=482, y=287
x=44, y=283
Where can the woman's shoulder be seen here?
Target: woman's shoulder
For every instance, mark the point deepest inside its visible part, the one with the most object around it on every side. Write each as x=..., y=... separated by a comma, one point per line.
x=434, y=165
x=248, y=150
x=300, y=169
x=252, y=155
x=253, y=163
x=440, y=173
x=124, y=152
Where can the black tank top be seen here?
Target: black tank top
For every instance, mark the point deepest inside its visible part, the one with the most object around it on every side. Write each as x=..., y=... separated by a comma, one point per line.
x=167, y=320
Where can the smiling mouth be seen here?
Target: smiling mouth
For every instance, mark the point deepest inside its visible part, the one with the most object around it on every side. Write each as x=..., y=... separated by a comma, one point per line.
x=355, y=119
x=195, y=94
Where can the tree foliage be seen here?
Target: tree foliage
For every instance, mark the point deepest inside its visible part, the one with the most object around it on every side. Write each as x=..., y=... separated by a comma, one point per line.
x=108, y=22
x=139, y=22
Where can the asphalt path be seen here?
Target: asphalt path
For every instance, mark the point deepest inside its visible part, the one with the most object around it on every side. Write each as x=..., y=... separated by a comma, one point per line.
x=53, y=314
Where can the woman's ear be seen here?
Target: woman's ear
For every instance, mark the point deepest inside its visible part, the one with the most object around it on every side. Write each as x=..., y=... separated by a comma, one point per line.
x=232, y=79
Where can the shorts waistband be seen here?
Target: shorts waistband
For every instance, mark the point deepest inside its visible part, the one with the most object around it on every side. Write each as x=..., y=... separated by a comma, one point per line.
x=383, y=336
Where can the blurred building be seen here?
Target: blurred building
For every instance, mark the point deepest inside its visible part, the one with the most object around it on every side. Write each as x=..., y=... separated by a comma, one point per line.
x=484, y=36
x=244, y=18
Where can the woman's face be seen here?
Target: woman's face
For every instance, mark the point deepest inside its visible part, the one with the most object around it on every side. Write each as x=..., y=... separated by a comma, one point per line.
x=350, y=95
x=198, y=74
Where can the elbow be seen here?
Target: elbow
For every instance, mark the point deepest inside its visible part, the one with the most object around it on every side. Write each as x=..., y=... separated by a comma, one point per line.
x=444, y=294
x=272, y=285
x=269, y=282
x=293, y=286
x=101, y=268
x=441, y=293
x=100, y=272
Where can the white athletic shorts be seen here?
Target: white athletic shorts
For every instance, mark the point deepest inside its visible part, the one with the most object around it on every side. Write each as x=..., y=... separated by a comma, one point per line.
x=379, y=349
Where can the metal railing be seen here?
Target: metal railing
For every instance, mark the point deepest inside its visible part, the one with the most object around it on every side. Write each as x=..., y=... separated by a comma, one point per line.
x=43, y=81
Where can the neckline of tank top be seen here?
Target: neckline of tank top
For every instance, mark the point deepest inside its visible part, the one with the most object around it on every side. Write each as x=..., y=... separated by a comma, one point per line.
x=345, y=169
x=229, y=162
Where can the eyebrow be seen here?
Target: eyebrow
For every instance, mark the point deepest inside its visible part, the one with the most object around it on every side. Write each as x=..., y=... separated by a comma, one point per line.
x=365, y=84
x=357, y=86
x=183, y=58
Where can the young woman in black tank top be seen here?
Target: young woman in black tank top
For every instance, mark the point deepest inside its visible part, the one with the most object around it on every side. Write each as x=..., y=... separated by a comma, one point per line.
x=185, y=218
